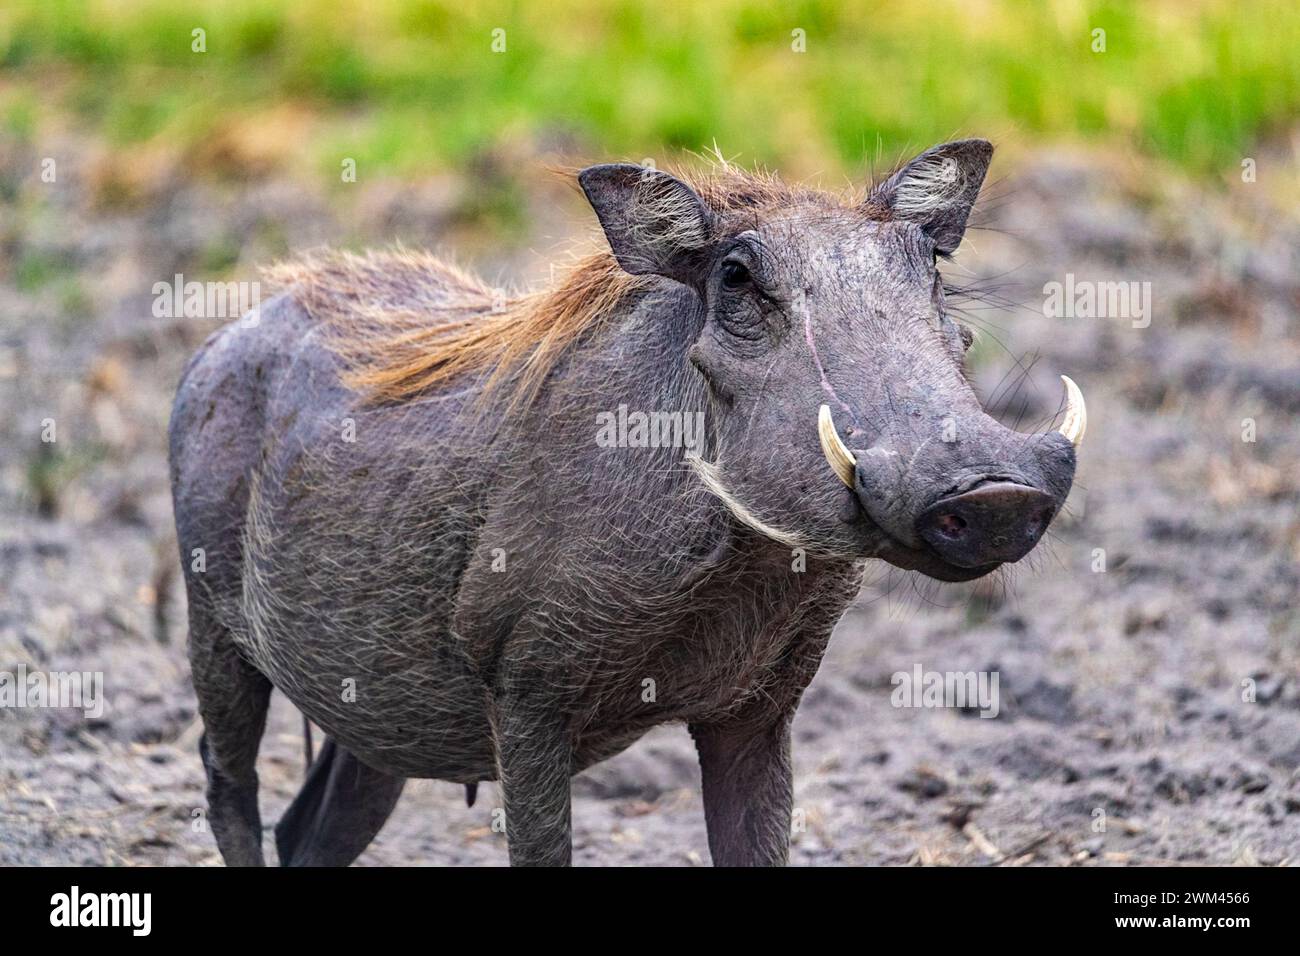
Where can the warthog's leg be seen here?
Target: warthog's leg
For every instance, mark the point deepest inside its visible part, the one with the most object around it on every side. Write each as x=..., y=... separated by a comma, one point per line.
x=534, y=764
x=748, y=791
x=342, y=805
x=233, y=699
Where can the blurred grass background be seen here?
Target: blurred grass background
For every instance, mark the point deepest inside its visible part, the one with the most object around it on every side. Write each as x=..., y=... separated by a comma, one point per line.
x=407, y=85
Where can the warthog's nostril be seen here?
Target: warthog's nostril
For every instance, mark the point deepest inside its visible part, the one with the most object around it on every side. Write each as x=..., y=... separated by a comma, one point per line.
x=951, y=525
x=990, y=524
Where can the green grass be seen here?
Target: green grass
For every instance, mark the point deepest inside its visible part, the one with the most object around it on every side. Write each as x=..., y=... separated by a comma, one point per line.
x=36, y=269
x=414, y=84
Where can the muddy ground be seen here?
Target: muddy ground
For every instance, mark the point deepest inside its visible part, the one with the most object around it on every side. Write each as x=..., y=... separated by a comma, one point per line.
x=1147, y=657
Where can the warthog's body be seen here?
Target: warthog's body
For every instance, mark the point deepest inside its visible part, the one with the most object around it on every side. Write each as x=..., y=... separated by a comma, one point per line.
x=341, y=546
x=464, y=584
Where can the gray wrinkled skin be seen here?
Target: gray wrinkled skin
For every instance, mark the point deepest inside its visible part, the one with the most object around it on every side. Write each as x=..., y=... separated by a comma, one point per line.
x=469, y=594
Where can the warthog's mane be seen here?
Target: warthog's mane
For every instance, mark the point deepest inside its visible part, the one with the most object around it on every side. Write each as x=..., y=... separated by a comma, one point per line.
x=407, y=323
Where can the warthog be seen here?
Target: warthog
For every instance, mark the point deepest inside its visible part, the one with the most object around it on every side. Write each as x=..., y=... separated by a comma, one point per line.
x=392, y=504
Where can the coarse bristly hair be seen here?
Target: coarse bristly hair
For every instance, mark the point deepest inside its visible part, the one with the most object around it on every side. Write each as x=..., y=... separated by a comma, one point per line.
x=407, y=323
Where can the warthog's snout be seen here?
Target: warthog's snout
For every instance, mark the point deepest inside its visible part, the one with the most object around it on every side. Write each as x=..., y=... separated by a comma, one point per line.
x=994, y=523
x=956, y=509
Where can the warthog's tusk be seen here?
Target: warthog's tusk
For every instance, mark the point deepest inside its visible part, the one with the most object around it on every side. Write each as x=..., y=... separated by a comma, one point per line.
x=833, y=447
x=1076, y=413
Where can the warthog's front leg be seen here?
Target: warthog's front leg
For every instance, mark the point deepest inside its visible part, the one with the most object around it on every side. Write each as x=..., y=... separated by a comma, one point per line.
x=534, y=763
x=748, y=790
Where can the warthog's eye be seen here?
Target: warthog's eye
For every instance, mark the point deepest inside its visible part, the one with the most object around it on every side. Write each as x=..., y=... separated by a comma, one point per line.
x=734, y=275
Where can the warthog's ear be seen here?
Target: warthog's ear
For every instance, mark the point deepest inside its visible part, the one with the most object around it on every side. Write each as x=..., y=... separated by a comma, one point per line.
x=937, y=190
x=654, y=223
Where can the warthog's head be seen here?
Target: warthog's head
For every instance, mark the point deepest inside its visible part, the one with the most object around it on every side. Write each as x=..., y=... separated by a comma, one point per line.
x=845, y=422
